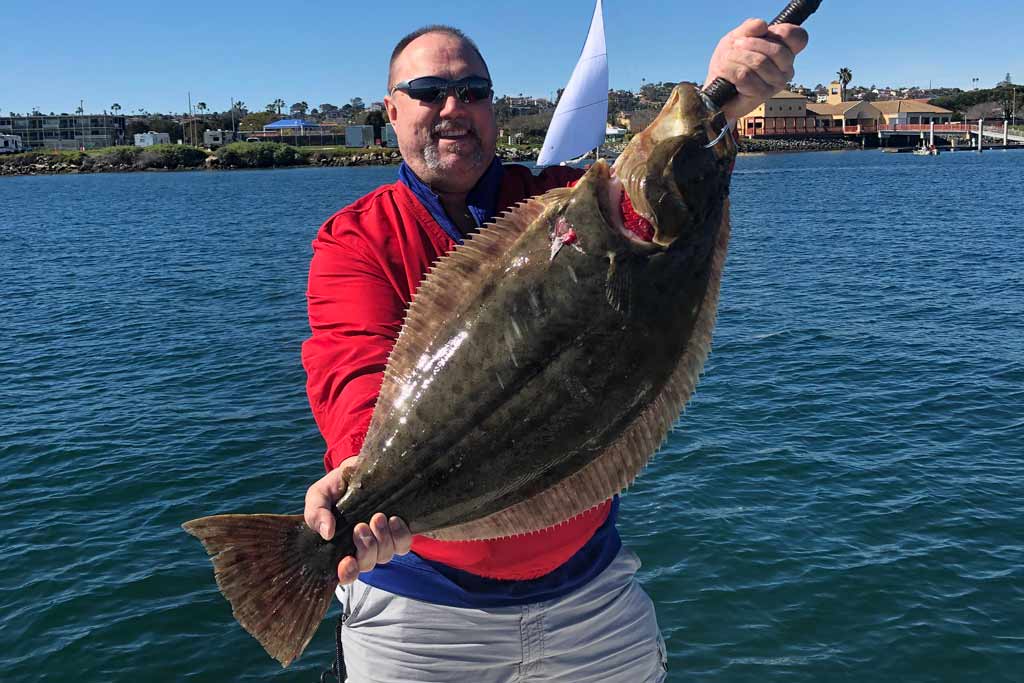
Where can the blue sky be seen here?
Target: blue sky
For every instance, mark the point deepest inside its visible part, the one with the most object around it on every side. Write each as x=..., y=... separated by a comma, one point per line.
x=59, y=52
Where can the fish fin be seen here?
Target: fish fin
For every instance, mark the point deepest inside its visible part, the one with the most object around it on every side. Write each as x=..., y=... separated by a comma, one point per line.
x=619, y=464
x=449, y=287
x=619, y=284
x=278, y=575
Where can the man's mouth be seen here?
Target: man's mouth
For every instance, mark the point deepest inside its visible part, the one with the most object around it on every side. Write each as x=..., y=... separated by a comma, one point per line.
x=451, y=132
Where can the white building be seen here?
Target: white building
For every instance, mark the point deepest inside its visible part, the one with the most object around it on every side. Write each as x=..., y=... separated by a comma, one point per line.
x=358, y=136
x=216, y=138
x=614, y=133
x=152, y=138
x=10, y=144
x=390, y=139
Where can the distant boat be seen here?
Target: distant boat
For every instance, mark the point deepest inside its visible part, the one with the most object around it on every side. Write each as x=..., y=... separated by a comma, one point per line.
x=580, y=120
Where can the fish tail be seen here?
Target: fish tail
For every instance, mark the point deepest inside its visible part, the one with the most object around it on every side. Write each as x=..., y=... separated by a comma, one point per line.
x=277, y=573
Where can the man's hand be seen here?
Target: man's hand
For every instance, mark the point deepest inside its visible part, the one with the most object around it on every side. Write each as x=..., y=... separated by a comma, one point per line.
x=376, y=542
x=758, y=60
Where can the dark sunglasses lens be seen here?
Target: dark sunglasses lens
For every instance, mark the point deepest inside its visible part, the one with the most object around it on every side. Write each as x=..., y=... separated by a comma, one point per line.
x=475, y=91
x=427, y=94
x=426, y=89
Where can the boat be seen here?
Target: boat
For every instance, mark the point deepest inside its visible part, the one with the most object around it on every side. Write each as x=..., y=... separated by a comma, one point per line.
x=580, y=120
x=931, y=151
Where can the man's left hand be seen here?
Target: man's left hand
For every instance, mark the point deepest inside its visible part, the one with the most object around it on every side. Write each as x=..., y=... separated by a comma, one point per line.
x=758, y=60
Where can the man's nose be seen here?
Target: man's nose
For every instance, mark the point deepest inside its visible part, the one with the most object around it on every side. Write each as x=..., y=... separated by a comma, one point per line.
x=451, y=103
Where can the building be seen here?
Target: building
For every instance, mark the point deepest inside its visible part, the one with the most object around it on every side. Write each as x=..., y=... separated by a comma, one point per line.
x=217, y=138
x=390, y=139
x=612, y=133
x=850, y=118
x=81, y=131
x=912, y=112
x=358, y=136
x=10, y=144
x=152, y=138
x=784, y=113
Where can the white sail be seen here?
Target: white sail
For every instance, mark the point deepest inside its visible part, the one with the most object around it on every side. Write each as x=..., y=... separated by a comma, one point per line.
x=580, y=119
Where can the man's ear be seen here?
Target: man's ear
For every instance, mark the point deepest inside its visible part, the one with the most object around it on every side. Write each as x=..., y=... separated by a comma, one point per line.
x=391, y=109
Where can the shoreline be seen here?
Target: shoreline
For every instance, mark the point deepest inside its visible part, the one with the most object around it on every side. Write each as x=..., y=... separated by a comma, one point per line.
x=62, y=165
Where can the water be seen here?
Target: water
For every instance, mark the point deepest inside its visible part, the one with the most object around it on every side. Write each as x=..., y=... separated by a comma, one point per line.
x=841, y=501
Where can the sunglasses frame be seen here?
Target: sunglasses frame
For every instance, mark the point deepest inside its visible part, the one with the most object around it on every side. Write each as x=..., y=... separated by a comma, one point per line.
x=444, y=86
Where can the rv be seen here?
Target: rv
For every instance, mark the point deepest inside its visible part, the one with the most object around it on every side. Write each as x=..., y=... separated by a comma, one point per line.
x=10, y=144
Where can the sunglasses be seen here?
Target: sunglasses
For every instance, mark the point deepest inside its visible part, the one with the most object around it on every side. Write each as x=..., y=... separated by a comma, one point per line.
x=433, y=89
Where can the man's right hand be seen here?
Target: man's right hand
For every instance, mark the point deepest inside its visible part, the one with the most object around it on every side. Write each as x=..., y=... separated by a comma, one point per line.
x=376, y=542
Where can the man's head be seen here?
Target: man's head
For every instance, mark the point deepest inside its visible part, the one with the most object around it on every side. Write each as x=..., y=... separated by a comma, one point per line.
x=448, y=143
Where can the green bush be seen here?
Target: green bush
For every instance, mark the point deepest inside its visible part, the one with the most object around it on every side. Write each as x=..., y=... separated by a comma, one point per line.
x=259, y=155
x=170, y=156
x=116, y=155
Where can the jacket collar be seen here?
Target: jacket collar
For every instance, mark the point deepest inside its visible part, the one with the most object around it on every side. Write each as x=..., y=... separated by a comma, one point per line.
x=482, y=200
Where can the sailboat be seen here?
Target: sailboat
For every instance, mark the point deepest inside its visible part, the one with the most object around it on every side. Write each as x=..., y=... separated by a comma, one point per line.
x=580, y=120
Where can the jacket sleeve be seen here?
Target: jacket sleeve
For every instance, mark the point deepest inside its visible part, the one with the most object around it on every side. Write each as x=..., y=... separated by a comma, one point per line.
x=355, y=314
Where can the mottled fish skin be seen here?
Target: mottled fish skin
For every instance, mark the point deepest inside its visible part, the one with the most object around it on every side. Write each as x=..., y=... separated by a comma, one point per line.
x=521, y=363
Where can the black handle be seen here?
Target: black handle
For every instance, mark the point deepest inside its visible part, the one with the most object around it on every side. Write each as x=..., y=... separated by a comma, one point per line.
x=796, y=12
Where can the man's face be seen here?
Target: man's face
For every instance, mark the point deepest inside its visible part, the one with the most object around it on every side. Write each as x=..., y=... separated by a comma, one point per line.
x=448, y=144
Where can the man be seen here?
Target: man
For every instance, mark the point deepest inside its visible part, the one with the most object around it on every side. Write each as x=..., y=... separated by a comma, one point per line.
x=561, y=604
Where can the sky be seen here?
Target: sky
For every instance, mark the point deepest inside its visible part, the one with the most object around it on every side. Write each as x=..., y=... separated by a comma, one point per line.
x=60, y=52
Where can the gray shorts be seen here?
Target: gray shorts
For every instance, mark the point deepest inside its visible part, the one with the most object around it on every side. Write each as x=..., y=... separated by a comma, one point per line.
x=604, y=632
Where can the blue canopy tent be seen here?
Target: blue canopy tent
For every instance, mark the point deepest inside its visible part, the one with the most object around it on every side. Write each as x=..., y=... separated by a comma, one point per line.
x=300, y=124
x=296, y=128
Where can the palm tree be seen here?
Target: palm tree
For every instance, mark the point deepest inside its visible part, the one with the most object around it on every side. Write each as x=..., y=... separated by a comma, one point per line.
x=201, y=107
x=278, y=104
x=845, y=76
x=115, y=107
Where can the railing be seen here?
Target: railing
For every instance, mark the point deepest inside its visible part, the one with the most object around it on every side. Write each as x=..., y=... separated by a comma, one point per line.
x=926, y=127
x=860, y=129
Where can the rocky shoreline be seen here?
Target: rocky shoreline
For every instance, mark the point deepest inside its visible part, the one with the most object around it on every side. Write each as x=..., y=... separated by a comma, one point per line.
x=44, y=164
x=767, y=145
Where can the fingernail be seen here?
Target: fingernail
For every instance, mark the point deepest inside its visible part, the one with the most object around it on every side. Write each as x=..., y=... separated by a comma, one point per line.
x=366, y=537
x=323, y=530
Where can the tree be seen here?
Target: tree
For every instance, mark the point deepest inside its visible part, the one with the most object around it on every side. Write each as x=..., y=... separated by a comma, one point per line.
x=201, y=107
x=845, y=76
x=115, y=107
x=375, y=119
x=79, y=110
x=257, y=120
x=347, y=111
x=328, y=110
x=357, y=104
x=278, y=105
x=299, y=109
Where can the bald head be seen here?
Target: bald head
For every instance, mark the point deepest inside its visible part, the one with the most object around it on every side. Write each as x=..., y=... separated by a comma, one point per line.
x=451, y=31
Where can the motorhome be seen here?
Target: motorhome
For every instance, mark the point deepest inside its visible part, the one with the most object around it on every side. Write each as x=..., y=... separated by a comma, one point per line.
x=10, y=144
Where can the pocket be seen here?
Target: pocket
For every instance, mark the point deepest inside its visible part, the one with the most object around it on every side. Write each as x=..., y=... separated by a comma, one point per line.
x=662, y=653
x=356, y=597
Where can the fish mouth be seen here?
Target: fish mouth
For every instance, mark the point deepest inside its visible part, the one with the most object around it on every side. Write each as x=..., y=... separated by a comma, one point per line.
x=669, y=174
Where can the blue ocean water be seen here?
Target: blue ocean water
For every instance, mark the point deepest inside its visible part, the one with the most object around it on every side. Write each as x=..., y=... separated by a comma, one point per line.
x=840, y=502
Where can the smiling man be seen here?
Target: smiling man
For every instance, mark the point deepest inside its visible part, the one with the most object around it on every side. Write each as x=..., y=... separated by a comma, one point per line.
x=560, y=604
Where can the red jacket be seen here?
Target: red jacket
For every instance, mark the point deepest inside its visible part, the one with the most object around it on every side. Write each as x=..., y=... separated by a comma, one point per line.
x=368, y=260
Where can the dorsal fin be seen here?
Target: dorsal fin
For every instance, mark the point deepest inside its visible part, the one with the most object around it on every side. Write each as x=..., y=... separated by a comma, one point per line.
x=449, y=288
x=617, y=467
